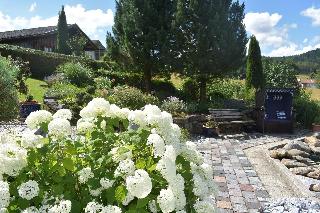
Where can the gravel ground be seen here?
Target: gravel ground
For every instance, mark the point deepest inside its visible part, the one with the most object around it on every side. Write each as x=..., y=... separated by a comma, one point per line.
x=292, y=205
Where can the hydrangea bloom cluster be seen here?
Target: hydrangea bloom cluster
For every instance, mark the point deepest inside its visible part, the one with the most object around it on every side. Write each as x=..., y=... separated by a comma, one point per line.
x=133, y=158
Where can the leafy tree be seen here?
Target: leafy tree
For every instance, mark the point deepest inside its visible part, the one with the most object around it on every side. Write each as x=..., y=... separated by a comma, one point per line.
x=280, y=75
x=63, y=33
x=141, y=35
x=210, y=38
x=254, y=75
x=77, y=44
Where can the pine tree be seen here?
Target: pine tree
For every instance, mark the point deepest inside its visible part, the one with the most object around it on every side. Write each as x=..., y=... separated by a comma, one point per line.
x=211, y=38
x=254, y=74
x=63, y=33
x=141, y=36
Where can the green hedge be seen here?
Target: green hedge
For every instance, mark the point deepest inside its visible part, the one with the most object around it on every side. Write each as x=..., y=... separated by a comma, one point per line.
x=43, y=63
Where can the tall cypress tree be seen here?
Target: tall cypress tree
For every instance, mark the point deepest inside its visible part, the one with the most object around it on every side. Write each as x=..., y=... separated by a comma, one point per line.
x=254, y=74
x=141, y=35
x=63, y=33
x=211, y=38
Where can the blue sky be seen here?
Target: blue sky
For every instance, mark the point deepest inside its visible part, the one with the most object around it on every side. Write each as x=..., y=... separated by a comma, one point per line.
x=283, y=27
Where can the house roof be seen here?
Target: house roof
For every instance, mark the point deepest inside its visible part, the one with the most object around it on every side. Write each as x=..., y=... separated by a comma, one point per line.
x=99, y=44
x=307, y=81
x=33, y=32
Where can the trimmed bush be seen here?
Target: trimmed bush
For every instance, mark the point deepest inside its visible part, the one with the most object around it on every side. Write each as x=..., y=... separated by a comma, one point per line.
x=122, y=78
x=8, y=93
x=76, y=73
x=43, y=64
x=131, y=97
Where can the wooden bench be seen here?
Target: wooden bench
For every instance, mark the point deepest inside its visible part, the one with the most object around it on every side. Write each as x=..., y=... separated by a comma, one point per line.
x=231, y=120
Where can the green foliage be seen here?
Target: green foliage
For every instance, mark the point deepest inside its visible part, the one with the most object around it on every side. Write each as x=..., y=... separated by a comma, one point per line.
x=103, y=83
x=77, y=44
x=209, y=45
x=64, y=91
x=76, y=73
x=307, y=110
x=63, y=34
x=142, y=33
x=174, y=106
x=163, y=88
x=8, y=92
x=190, y=90
x=254, y=75
x=280, y=75
x=131, y=97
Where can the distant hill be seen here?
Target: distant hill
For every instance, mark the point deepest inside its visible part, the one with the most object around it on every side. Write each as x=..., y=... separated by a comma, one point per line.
x=308, y=62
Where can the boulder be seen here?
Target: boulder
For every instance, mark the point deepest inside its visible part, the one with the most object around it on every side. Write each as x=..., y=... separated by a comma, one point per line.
x=314, y=174
x=312, y=141
x=301, y=170
x=278, y=154
x=298, y=145
x=289, y=163
x=296, y=152
x=307, y=161
x=315, y=187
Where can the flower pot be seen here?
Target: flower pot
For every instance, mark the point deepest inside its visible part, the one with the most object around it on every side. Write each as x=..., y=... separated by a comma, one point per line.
x=316, y=127
x=27, y=107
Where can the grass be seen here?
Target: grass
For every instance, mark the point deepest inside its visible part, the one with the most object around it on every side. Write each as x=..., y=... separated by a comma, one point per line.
x=315, y=93
x=176, y=80
x=36, y=88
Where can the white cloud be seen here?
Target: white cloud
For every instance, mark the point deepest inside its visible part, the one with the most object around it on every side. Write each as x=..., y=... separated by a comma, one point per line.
x=305, y=40
x=314, y=14
x=93, y=22
x=33, y=6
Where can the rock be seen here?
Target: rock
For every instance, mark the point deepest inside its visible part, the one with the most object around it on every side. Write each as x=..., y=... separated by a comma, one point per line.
x=312, y=141
x=301, y=170
x=307, y=161
x=296, y=152
x=289, y=163
x=314, y=174
x=298, y=145
x=315, y=187
x=278, y=154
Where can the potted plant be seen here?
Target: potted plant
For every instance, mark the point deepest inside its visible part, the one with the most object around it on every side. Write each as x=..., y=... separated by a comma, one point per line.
x=316, y=124
x=28, y=106
x=211, y=128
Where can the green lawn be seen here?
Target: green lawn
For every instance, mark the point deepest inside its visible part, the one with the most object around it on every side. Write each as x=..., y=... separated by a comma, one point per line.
x=36, y=88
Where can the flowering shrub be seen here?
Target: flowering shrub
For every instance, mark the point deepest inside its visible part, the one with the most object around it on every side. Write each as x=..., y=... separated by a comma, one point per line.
x=116, y=160
x=174, y=105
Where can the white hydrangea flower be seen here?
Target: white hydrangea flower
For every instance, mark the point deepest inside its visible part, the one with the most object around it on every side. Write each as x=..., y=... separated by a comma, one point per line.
x=13, y=158
x=138, y=117
x=63, y=114
x=31, y=209
x=190, y=153
x=63, y=206
x=153, y=114
x=140, y=184
x=158, y=144
x=167, y=166
x=84, y=126
x=152, y=205
x=4, y=210
x=59, y=128
x=124, y=112
x=95, y=108
x=106, y=183
x=166, y=201
x=95, y=192
x=181, y=211
x=114, y=111
x=30, y=140
x=85, y=174
x=93, y=207
x=125, y=168
x=28, y=190
x=4, y=194
x=37, y=118
x=177, y=188
x=204, y=207
x=127, y=199
x=112, y=209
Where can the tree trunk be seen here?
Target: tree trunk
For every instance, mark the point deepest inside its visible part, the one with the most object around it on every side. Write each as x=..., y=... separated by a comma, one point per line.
x=203, y=89
x=147, y=79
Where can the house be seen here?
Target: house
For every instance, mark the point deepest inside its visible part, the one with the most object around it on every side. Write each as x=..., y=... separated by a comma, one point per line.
x=307, y=83
x=45, y=39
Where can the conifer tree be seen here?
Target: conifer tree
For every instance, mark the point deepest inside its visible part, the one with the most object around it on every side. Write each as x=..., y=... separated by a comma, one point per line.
x=254, y=73
x=63, y=33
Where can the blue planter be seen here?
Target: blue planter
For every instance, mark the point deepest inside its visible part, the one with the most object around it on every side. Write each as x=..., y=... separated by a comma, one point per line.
x=27, y=107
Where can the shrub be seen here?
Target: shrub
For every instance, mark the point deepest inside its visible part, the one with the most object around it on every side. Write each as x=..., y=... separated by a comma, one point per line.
x=55, y=78
x=107, y=165
x=174, y=106
x=103, y=83
x=8, y=93
x=122, y=78
x=131, y=97
x=63, y=91
x=190, y=90
x=76, y=73
x=163, y=88
x=43, y=64
x=307, y=110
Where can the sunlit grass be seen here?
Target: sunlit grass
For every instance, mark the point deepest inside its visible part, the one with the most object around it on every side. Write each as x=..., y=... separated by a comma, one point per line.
x=36, y=88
